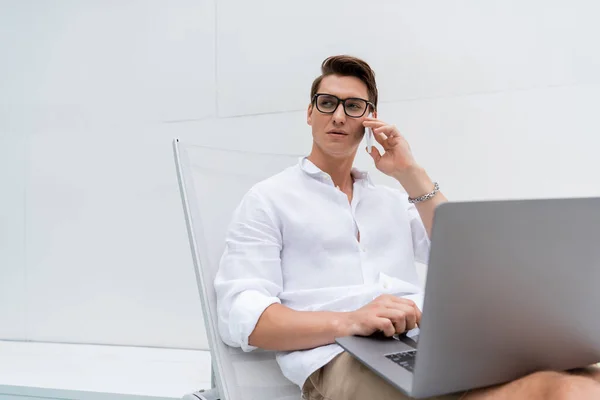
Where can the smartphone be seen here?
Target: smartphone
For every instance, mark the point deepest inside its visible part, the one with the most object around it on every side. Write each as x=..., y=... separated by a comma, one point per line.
x=369, y=133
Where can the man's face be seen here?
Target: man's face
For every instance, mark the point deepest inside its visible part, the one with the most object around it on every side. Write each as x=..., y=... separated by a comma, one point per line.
x=337, y=134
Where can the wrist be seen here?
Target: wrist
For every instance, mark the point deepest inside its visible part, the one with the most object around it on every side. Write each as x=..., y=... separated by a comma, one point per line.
x=415, y=181
x=342, y=324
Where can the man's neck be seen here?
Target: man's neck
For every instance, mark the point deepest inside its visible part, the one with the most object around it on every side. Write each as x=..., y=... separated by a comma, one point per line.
x=339, y=169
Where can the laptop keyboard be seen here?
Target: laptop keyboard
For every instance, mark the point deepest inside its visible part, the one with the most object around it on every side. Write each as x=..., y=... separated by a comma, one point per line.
x=405, y=359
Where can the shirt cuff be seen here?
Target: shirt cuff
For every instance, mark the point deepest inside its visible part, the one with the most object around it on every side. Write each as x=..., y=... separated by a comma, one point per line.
x=247, y=309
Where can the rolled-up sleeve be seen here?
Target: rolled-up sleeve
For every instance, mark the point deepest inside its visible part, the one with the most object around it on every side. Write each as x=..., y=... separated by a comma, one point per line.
x=249, y=278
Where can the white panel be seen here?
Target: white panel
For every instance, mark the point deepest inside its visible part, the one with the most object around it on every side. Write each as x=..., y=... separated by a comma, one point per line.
x=108, y=257
x=71, y=64
x=12, y=236
x=522, y=144
x=269, y=51
x=282, y=133
x=60, y=371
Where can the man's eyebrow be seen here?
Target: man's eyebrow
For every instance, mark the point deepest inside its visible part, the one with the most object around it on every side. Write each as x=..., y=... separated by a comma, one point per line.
x=344, y=98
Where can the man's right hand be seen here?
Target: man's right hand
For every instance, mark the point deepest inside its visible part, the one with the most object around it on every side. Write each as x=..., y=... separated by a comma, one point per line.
x=283, y=329
x=386, y=313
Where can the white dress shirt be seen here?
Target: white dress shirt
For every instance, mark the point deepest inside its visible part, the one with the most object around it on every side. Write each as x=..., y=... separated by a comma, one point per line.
x=294, y=240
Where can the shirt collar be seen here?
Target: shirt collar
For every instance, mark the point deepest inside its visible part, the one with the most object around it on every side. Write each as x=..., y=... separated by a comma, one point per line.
x=312, y=170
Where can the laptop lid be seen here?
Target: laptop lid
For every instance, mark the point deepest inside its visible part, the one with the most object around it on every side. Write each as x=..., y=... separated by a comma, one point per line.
x=512, y=287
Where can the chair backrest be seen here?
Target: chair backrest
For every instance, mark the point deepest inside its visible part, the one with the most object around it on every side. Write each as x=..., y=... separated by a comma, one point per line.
x=212, y=183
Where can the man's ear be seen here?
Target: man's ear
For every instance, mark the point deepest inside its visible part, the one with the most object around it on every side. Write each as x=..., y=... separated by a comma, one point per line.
x=309, y=114
x=374, y=114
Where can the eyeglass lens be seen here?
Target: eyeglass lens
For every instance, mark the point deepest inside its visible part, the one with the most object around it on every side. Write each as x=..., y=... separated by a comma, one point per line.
x=353, y=107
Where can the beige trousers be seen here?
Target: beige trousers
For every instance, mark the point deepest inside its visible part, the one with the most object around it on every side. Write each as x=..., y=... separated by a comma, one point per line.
x=345, y=378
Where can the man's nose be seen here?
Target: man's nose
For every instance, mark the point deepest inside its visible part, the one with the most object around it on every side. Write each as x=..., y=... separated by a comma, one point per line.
x=339, y=116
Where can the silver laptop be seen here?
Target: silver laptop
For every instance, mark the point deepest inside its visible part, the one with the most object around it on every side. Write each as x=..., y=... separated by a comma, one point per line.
x=513, y=287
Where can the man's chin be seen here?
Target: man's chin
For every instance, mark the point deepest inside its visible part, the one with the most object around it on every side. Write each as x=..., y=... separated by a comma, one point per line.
x=340, y=151
x=335, y=149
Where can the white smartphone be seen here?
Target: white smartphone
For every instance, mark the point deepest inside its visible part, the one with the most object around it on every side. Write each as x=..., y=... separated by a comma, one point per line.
x=369, y=133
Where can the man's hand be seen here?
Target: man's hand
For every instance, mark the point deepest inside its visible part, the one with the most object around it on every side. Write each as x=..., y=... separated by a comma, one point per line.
x=386, y=313
x=398, y=157
x=398, y=162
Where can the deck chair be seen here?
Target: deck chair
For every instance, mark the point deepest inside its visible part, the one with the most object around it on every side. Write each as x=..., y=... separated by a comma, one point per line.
x=212, y=182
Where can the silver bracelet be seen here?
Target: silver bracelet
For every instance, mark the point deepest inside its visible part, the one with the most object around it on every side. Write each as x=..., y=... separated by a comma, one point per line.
x=425, y=197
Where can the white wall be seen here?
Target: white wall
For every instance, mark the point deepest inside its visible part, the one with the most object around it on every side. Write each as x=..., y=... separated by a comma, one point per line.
x=497, y=100
x=94, y=247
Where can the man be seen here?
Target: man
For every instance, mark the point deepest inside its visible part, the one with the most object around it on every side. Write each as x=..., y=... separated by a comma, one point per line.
x=318, y=252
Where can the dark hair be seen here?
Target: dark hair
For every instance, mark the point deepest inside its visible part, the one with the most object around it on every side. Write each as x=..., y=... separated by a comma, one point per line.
x=347, y=66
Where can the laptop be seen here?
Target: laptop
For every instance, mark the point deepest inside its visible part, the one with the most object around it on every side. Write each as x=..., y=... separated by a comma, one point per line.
x=513, y=287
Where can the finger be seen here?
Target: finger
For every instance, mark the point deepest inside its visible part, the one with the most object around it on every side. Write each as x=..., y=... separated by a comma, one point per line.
x=386, y=326
x=389, y=138
x=381, y=138
x=409, y=302
x=400, y=325
x=373, y=123
x=396, y=308
x=393, y=141
x=408, y=322
x=419, y=316
x=397, y=313
x=411, y=321
x=375, y=154
x=389, y=130
x=403, y=320
x=402, y=300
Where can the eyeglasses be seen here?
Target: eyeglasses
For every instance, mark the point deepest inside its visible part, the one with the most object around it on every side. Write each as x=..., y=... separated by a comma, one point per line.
x=354, y=107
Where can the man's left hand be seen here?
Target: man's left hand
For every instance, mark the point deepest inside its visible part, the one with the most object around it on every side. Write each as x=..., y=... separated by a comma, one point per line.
x=398, y=162
x=398, y=157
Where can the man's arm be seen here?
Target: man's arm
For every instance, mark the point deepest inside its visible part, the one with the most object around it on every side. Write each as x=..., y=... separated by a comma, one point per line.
x=283, y=329
x=417, y=183
x=398, y=162
x=249, y=282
